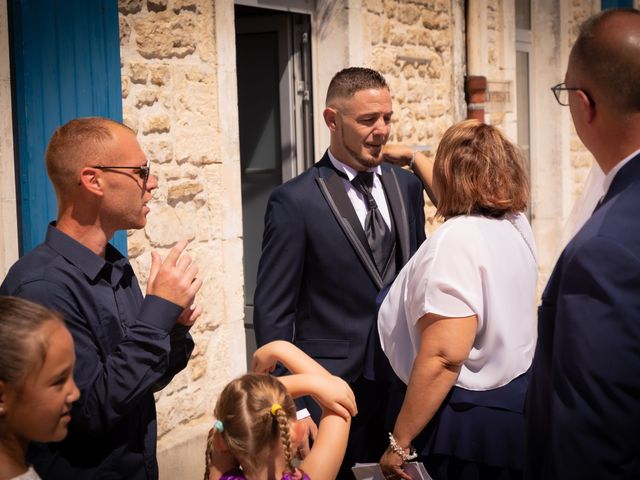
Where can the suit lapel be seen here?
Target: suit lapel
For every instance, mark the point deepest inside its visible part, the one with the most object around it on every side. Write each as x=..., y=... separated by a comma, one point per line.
x=332, y=189
x=398, y=210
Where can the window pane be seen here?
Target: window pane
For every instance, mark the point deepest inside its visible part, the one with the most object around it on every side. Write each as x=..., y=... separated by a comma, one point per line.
x=523, y=14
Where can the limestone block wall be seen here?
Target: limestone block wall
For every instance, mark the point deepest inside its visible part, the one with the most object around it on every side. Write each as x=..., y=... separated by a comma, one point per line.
x=8, y=200
x=172, y=79
x=581, y=158
x=500, y=66
x=413, y=44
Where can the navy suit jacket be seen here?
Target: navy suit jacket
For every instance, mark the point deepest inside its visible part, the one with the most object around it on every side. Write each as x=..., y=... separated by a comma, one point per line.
x=317, y=282
x=583, y=405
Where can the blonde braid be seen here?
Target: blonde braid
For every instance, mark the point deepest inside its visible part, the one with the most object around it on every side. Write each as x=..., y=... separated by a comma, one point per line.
x=285, y=436
x=209, y=453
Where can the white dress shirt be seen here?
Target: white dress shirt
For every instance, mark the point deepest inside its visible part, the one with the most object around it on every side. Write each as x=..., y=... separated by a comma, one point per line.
x=357, y=199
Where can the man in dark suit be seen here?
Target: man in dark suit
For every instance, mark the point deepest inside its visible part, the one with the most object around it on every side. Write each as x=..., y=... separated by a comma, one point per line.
x=583, y=405
x=334, y=236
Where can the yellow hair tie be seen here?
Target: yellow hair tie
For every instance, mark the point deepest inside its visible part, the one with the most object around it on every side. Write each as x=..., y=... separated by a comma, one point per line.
x=274, y=409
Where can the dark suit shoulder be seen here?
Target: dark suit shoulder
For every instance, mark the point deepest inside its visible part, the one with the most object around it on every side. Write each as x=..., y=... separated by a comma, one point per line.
x=297, y=186
x=617, y=220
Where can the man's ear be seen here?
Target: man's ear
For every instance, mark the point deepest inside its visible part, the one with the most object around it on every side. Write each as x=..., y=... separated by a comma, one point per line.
x=90, y=180
x=588, y=109
x=330, y=116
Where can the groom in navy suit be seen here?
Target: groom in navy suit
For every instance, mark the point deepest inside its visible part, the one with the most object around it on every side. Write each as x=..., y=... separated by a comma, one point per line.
x=334, y=236
x=583, y=406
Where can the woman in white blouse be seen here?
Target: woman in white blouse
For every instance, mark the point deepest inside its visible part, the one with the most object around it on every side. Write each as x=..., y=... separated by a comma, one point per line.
x=458, y=324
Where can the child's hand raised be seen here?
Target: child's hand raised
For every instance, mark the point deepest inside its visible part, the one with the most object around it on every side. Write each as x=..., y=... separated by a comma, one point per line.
x=334, y=394
x=264, y=359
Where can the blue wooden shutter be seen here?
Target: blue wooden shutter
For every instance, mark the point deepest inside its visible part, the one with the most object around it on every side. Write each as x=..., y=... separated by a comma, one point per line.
x=66, y=64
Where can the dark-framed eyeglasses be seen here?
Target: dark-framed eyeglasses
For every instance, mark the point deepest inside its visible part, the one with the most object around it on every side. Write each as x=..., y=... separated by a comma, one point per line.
x=561, y=92
x=143, y=170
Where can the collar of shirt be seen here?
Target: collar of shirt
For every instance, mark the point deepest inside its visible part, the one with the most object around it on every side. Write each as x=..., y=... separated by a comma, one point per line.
x=357, y=200
x=608, y=179
x=347, y=170
x=112, y=268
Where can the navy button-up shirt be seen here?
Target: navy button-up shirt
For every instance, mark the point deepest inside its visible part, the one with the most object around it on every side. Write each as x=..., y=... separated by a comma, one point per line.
x=127, y=346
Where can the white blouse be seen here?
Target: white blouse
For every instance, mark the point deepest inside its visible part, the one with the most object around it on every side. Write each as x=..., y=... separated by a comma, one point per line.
x=30, y=474
x=472, y=265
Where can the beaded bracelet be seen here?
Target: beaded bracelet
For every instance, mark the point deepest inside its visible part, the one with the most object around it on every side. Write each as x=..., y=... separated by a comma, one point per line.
x=398, y=450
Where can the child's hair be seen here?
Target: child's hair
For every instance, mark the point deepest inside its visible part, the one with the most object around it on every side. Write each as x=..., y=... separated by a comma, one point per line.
x=21, y=348
x=255, y=410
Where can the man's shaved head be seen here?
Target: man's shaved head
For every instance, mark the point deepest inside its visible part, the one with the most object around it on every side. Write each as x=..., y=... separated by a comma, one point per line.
x=606, y=56
x=76, y=144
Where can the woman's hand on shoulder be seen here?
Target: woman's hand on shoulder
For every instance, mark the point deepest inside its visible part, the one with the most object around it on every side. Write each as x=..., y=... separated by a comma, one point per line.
x=397, y=154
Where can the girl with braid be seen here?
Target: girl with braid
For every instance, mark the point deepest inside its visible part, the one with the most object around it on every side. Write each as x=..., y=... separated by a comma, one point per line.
x=256, y=434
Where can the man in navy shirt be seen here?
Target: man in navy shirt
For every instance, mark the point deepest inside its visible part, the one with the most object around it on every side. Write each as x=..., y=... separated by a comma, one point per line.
x=127, y=346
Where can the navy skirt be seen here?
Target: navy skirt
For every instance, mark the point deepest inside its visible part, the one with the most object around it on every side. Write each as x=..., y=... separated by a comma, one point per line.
x=484, y=428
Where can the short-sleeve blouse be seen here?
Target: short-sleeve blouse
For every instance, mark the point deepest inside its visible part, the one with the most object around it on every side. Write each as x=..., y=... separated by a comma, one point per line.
x=472, y=265
x=30, y=474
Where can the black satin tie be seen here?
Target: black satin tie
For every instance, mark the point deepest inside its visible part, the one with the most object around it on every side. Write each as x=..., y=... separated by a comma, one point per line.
x=375, y=228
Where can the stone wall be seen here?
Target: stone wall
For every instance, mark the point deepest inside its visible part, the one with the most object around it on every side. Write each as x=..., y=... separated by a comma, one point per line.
x=8, y=200
x=171, y=88
x=411, y=44
x=581, y=158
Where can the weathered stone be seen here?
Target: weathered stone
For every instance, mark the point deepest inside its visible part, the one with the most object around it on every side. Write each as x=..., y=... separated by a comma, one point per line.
x=136, y=243
x=159, y=152
x=156, y=123
x=183, y=192
x=198, y=367
x=146, y=98
x=164, y=35
x=438, y=109
x=408, y=14
x=130, y=118
x=160, y=76
x=138, y=73
x=189, y=5
x=375, y=6
x=166, y=225
x=125, y=86
x=397, y=36
x=436, y=68
x=390, y=8
x=125, y=30
x=127, y=7
x=375, y=29
x=441, y=41
x=410, y=71
x=576, y=144
x=157, y=5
